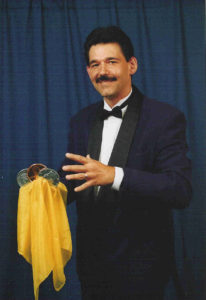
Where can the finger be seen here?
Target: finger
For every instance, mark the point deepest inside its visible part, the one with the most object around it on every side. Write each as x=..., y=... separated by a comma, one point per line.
x=74, y=168
x=82, y=187
x=79, y=176
x=79, y=158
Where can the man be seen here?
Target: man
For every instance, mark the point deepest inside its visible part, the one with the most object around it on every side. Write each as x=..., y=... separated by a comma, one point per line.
x=126, y=172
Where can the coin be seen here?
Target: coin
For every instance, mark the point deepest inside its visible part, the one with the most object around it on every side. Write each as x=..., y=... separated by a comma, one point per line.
x=34, y=169
x=22, y=177
x=50, y=174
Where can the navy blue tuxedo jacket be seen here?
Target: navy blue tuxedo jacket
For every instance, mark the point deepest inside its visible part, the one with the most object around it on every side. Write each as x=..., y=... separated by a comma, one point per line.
x=127, y=234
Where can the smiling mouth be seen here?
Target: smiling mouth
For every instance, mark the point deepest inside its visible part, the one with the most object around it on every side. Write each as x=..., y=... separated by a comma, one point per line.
x=105, y=79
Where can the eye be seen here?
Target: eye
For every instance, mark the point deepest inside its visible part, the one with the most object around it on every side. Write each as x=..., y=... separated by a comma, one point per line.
x=94, y=65
x=112, y=62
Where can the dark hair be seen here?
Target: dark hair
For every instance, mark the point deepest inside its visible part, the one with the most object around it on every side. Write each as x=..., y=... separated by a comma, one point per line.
x=110, y=34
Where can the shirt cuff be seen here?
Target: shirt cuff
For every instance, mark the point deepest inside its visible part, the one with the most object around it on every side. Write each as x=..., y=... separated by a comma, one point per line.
x=119, y=174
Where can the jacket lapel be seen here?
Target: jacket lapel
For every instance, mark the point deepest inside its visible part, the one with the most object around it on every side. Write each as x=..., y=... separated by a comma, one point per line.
x=124, y=139
x=95, y=135
x=94, y=144
x=125, y=136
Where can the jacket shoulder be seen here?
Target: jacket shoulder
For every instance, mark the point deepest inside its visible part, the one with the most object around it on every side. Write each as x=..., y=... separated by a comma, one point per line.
x=160, y=110
x=154, y=108
x=87, y=113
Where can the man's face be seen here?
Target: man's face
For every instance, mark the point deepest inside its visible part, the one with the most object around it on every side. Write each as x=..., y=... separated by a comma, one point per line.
x=109, y=71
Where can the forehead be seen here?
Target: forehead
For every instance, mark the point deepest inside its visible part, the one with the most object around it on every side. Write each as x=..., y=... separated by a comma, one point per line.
x=103, y=51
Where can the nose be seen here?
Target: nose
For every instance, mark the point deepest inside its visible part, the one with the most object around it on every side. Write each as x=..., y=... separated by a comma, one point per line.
x=102, y=69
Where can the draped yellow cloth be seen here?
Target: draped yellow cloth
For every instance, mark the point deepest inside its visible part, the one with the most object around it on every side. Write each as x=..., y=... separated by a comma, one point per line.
x=43, y=232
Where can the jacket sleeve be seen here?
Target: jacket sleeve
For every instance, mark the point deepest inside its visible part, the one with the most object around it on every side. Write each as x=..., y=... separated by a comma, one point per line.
x=169, y=180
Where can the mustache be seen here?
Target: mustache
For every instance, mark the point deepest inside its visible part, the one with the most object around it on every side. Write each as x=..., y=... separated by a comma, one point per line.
x=105, y=78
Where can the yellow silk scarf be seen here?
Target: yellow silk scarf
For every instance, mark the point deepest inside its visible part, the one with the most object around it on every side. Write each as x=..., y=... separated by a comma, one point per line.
x=43, y=232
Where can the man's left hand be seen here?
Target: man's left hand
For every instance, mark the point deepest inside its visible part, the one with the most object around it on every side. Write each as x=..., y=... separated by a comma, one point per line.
x=93, y=171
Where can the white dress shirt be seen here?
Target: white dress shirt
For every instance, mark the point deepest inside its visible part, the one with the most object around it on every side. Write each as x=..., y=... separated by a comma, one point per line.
x=109, y=134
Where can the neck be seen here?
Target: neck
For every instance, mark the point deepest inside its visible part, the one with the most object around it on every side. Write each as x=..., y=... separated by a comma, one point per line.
x=113, y=101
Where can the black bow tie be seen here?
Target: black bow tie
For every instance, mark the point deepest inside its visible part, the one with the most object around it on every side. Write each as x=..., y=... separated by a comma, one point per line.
x=116, y=112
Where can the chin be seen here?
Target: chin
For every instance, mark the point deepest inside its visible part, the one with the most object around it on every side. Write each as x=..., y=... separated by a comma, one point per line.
x=104, y=93
x=108, y=95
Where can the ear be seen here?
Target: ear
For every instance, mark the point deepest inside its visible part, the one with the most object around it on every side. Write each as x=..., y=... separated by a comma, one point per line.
x=88, y=71
x=133, y=65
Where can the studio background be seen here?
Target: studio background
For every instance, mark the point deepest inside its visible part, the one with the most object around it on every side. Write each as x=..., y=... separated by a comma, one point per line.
x=43, y=82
